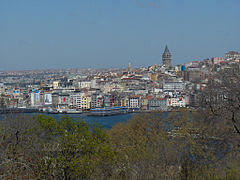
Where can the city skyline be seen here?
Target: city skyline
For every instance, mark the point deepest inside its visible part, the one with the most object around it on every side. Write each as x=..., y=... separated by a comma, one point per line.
x=109, y=34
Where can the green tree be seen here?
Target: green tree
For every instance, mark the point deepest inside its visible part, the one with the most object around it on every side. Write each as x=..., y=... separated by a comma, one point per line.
x=41, y=147
x=77, y=151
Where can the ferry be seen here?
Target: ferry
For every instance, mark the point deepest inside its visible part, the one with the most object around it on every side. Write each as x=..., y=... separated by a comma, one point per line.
x=65, y=111
x=109, y=111
x=73, y=111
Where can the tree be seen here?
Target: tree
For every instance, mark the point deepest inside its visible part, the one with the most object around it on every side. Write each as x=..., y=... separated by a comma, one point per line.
x=20, y=141
x=3, y=104
x=177, y=145
x=41, y=147
x=157, y=145
x=222, y=98
x=77, y=151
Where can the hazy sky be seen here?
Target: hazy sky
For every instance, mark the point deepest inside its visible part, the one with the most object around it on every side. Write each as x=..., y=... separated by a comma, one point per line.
x=37, y=34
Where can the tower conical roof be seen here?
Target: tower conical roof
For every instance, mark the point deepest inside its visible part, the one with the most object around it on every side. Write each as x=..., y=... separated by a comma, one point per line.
x=166, y=51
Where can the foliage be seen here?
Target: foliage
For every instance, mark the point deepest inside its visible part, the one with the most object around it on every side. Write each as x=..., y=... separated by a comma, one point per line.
x=179, y=146
x=77, y=151
x=49, y=149
x=20, y=141
x=176, y=145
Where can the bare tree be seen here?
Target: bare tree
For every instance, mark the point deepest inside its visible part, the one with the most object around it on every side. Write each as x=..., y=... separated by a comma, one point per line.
x=222, y=96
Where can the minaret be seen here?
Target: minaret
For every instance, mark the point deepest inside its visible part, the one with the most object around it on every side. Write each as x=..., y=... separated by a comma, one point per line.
x=166, y=58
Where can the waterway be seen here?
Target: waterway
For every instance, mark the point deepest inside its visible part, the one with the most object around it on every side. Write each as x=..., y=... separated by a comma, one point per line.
x=106, y=122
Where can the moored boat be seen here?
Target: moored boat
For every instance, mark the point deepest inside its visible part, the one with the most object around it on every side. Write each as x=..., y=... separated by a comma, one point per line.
x=73, y=111
x=108, y=111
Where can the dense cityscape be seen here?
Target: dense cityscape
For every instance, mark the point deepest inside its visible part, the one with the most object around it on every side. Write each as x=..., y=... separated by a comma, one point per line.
x=157, y=87
x=119, y=90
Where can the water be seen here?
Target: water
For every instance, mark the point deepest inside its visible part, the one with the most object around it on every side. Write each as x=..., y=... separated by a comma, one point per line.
x=106, y=122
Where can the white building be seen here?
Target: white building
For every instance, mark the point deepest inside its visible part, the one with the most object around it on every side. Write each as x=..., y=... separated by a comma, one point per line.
x=63, y=101
x=80, y=101
x=35, y=98
x=56, y=84
x=134, y=102
x=177, y=102
x=84, y=84
x=173, y=86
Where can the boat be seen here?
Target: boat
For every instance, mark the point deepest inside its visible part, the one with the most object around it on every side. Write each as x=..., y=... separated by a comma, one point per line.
x=73, y=111
x=52, y=112
x=108, y=111
x=65, y=111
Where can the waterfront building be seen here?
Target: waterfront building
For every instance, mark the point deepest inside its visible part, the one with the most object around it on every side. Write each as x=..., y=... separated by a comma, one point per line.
x=144, y=103
x=32, y=99
x=84, y=103
x=107, y=100
x=55, y=99
x=79, y=100
x=158, y=104
x=47, y=99
x=95, y=102
x=124, y=101
x=134, y=102
x=35, y=98
x=75, y=99
x=177, y=101
x=63, y=101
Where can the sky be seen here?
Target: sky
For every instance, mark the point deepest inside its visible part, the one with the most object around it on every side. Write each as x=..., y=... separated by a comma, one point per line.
x=53, y=34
